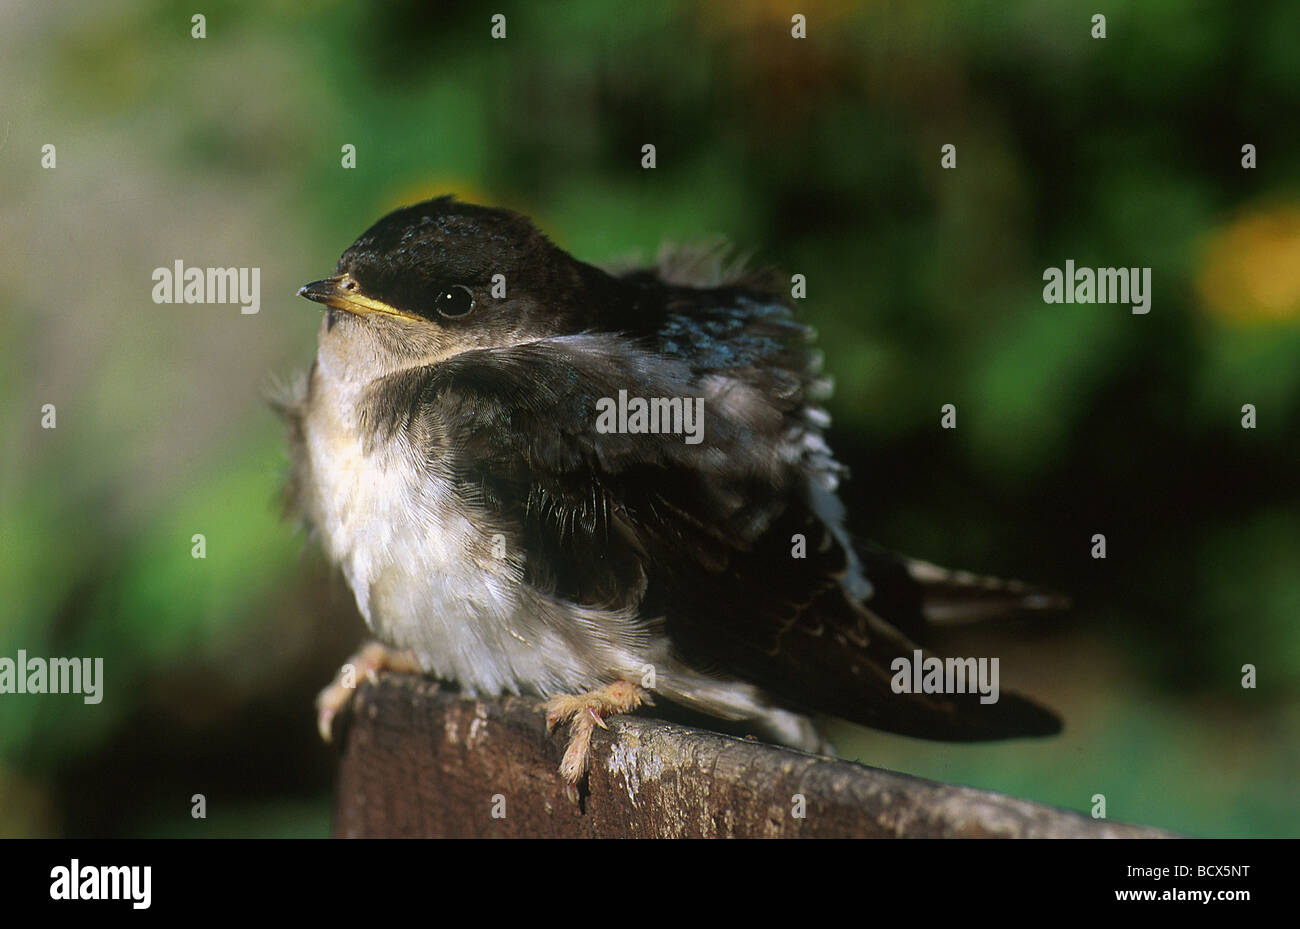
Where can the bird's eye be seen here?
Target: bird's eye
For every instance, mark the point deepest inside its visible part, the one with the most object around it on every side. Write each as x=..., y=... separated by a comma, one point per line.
x=455, y=301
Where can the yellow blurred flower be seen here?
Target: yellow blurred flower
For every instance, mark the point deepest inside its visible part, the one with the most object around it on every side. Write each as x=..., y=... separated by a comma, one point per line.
x=1252, y=268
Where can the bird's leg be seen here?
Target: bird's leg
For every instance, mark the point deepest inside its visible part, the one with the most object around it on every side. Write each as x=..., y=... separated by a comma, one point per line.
x=585, y=712
x=365, y=664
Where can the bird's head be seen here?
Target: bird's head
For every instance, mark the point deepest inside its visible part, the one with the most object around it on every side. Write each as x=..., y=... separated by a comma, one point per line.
x=441, y=277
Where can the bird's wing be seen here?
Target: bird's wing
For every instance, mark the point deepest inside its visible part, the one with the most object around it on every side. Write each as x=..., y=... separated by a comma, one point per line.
x=723, y=540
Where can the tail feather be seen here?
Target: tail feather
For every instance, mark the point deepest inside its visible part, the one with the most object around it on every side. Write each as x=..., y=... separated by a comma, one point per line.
x=952, y=597
x=917, y=595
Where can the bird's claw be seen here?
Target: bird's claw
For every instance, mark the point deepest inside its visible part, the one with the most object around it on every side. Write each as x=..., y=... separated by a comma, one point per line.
x=366, y=663
x=585, y=712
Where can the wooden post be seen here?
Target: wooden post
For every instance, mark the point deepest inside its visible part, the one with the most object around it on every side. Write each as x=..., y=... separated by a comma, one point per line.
x=421, y=761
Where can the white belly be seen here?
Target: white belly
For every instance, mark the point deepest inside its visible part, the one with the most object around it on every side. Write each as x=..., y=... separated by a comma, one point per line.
x=407, y=549
x=428, y=574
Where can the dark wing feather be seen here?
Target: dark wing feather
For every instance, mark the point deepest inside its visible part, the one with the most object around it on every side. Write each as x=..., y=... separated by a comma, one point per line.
x=701, y=535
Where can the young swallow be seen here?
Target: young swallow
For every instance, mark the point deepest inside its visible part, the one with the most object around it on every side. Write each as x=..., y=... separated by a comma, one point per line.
x=541, y=477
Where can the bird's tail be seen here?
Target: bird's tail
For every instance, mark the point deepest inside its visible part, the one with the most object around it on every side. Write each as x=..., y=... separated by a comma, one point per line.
x=908, y=598
x=915, y=595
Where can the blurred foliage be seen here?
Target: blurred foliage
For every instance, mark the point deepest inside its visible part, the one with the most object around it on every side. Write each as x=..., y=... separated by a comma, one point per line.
x=818, y=156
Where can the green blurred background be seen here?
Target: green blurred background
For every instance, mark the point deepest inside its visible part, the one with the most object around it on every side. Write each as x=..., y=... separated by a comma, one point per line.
x=818, y=156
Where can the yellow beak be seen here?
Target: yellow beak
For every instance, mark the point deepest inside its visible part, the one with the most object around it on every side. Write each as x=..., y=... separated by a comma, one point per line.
x=343, y=293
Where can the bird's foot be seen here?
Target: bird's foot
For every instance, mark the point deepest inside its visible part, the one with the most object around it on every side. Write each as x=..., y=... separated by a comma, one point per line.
x=364, y=665
x=584, y=712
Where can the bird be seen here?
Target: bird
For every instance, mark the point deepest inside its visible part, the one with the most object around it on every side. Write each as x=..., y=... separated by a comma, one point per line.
x=606, y=487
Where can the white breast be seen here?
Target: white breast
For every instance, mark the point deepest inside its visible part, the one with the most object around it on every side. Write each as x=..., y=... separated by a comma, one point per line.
x=425, y=571
x=361, y=528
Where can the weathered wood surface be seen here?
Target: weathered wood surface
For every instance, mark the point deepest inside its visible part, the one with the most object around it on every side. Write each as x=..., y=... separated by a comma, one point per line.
x=421, y=761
